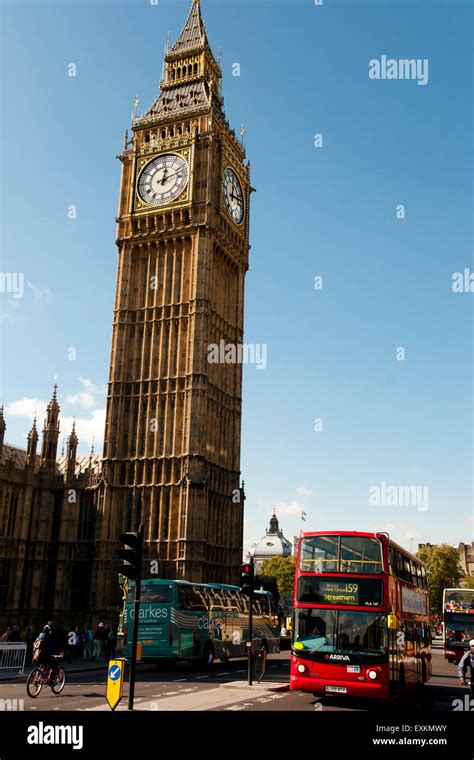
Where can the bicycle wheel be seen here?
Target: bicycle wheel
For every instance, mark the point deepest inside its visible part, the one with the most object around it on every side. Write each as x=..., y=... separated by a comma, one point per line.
x=34, y=683
x=59, y=681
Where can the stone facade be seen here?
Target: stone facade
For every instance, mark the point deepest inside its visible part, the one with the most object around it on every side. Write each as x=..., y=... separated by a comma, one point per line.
x=173, y=424
x=47, y=527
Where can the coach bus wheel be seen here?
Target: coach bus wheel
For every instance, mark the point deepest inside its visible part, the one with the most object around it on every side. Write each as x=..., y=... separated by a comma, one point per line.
x=209, y=654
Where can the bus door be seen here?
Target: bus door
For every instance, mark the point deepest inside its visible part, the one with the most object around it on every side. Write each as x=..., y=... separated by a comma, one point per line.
x=155, y=618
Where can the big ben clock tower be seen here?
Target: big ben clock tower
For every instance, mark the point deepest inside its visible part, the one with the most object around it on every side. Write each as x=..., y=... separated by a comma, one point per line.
x=172, y=439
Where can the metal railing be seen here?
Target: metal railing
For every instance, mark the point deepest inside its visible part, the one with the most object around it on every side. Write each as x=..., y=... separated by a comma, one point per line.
x=12, y=655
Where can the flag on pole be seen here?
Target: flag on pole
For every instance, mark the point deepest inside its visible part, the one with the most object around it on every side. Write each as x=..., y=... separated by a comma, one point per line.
x=304, y=515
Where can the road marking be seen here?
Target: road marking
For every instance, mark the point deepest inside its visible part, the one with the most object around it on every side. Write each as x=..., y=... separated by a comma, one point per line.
x=177, y=680
x=167, y=694
x=223, y=674
x=198, y=677
x=240, y=671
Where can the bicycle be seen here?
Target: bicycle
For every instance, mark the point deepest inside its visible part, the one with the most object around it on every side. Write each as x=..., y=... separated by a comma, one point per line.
x=43, y=676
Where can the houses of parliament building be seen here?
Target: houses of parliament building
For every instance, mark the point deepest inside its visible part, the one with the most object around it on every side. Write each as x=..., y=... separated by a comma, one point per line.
x=171, y=457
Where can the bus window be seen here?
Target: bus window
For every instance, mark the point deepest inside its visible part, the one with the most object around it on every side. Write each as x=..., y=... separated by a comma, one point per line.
x=217, y=598
x=183, y=598
x=155, y=594
x=319, y=554
x=264, y=605
x=198, y=600
x=360, y=555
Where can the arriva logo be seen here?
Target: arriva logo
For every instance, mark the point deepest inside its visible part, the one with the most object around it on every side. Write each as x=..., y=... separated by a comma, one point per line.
x=344, y=657
x=150, y=613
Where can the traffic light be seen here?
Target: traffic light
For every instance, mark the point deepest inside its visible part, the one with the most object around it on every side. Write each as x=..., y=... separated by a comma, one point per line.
x=247, y=578
x=131, y=555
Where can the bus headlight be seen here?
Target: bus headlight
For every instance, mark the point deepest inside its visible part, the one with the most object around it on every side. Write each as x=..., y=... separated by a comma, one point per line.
x=372, y=674
x=302, y=669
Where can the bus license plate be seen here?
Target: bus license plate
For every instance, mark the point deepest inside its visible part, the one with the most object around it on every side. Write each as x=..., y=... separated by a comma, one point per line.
x=337, y=689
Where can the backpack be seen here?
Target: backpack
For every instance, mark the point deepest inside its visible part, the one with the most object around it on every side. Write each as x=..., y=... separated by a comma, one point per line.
x=37, y=650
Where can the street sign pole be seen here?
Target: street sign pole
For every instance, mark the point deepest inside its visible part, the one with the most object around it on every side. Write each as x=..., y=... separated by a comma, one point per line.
x=250, y=641
x=136, y=606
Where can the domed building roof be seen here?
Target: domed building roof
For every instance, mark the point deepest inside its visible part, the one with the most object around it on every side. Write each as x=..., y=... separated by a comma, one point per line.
x=273, y=544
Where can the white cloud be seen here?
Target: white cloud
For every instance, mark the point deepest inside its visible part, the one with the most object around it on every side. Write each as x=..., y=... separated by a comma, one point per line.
x=26, y=408
x=5, y=317
x=41, y=294
x=89, y=397
x=87, y=427
x=303, y=491
x=292, y=508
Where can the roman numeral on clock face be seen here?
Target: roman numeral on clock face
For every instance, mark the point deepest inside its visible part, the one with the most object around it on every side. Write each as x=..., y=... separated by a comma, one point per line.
x=163, y=179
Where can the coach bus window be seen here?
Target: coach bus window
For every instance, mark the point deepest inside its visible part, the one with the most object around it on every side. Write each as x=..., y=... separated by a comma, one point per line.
x=264, y=604
x=155, y=594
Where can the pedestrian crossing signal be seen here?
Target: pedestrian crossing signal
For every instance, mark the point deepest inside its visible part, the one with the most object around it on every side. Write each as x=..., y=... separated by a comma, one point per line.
x=247, y=578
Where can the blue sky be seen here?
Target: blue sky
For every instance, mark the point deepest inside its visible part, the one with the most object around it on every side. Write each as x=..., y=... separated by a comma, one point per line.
x=329, y=212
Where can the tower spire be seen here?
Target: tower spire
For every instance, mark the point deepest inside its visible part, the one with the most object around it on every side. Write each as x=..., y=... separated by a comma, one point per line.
x=71, y=453
x=51, y=433
x=194, y=32
x=32, y=444
x=3, y=427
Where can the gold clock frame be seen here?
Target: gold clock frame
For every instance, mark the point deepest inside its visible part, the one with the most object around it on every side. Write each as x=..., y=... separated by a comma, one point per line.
x=184, y=199
x=226, y=163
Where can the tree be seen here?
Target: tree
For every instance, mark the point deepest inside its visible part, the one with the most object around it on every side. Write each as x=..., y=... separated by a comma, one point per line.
x=444, y=571
x=279, y=573
x=468, y=581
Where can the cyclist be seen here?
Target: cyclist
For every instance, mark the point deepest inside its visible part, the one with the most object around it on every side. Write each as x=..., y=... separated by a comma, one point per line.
x=465, y=662
x=49, y=648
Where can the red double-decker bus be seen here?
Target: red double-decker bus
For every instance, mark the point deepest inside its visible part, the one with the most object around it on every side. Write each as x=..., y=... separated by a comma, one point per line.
x=361, y=616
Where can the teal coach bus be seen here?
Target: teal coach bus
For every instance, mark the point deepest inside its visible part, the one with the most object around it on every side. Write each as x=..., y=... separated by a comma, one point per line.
x=179, y=620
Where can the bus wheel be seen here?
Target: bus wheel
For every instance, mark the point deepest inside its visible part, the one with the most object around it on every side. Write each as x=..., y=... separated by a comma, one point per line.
x=209, y=654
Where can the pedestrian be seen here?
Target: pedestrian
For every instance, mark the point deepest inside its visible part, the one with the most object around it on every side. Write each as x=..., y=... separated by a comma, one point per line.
x=99, y=639
x=78, y=644
x=111, y=642
x=14, y=636
x=88, y=642
x=466, y=662
x=4, y=636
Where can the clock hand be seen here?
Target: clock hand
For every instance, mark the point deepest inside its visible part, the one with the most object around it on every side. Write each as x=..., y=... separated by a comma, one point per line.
x=165, y=179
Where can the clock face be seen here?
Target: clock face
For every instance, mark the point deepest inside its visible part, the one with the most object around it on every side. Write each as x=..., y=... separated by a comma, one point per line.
x=233, y=195
x=163, y=180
